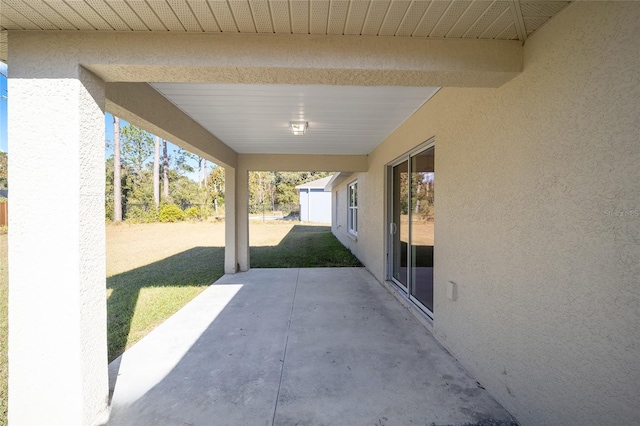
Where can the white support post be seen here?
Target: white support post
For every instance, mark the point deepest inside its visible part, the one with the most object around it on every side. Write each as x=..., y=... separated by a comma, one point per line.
x=57, y=301
x=242, y=219
x=236, y=213
x=230, y=240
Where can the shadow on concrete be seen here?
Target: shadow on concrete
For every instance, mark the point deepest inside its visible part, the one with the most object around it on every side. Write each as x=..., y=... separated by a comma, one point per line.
x=303, y=246
x=297, y=346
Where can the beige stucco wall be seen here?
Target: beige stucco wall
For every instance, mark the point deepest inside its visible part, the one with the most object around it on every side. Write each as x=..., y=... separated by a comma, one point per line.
x=339, y=218
x=537, y=207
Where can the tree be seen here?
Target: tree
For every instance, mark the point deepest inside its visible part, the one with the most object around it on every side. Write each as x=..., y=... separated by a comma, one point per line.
x=215, y=186
x=137, y=147
x=117, y=167
x=3, y=170
x=261, y=190
x=165, y=171
x=205, y=174
x=180, y=163
x=156, y=173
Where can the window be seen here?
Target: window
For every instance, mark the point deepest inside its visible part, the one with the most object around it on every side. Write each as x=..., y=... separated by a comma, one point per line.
x=352, y=214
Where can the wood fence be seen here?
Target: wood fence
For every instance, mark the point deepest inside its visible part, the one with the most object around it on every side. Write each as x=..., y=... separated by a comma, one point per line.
x=4, y=213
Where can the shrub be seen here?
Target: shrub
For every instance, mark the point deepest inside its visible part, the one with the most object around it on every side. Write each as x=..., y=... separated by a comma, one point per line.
x=151, y=216
x=193, y=213
x=135, y=214
x=171, y=213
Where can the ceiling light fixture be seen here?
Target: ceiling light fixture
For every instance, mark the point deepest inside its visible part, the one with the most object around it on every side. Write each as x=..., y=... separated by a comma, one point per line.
x=298, y=127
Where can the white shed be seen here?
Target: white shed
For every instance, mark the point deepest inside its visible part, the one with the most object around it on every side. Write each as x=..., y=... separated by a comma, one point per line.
x=315, y=201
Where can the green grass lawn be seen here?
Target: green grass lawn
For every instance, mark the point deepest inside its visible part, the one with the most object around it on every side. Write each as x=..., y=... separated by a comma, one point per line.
x=304, y=246
x=153, y=270
x=142, y=298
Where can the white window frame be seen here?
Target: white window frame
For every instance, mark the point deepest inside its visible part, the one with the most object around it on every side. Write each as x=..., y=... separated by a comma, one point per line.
x=352, y=209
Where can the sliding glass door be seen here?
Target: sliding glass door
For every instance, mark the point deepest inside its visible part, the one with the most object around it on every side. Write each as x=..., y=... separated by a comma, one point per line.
x=411, y=225
x=399, y=226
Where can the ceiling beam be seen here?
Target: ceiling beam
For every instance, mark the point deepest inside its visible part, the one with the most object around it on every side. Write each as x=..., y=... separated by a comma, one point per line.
x=141, y=105
x=302, y=163
x=281, y=59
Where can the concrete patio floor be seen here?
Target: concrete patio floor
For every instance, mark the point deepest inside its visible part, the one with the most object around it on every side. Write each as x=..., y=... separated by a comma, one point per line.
x=322, y=346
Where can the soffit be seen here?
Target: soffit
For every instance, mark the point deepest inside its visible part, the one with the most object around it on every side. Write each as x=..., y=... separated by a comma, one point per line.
x=249, y=118
x=466, y=19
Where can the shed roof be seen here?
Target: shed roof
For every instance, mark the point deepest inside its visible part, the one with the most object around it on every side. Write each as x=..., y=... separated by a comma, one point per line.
x=315, y=184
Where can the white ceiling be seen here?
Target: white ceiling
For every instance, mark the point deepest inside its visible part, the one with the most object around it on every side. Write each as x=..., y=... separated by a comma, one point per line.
x=255, y=118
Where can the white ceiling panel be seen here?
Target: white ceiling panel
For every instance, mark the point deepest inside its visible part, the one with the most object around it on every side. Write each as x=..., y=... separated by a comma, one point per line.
x=319, y=14
x=242, y=14
x=337, y=16
x=299, y=17
x=223, y=15
x=204, y=15
x=356, y=16
x=412, y=18
x=87, y=12
x=56, y=19
x=395, y=14
x=487, y=19
x=261, y=16
x=182, y=10
x=109, y=15
x=431, y=18
x=280, y=15
x=452, y=15
x=22, y=8
x=375, y=17
x=128, y=15
x=255, y=118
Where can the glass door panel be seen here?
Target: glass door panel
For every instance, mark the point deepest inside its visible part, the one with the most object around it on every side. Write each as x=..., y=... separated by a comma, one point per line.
x=421, y=219
x=399, y=226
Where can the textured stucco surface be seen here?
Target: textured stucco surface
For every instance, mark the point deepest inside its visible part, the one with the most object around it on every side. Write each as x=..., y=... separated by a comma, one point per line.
x=275, y=58
x=57, y=306
x=537, y=221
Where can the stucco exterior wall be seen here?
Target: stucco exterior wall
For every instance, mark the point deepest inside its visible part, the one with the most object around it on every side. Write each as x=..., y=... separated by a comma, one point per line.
x=339, y=216
x=57, y=306
x=537, y=221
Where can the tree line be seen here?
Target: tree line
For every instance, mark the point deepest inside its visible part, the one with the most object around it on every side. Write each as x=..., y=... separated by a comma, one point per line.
x=144, y=183
x=143, y=180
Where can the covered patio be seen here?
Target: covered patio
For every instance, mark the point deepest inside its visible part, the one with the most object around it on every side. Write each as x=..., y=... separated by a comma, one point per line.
x=525, y=113
x=296, y=346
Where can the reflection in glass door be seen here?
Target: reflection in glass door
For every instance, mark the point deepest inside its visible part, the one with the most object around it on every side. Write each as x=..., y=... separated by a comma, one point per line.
x=422, y=227
x=411, y=225
x=399, y=226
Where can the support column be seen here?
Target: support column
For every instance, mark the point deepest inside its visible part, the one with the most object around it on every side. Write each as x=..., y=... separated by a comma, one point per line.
x=230, y=240
x=242, y=219
x=57, y=303
x=236, y=216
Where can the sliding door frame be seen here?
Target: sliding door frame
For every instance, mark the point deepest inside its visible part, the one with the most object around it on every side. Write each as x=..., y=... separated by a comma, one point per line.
x=389, y=224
